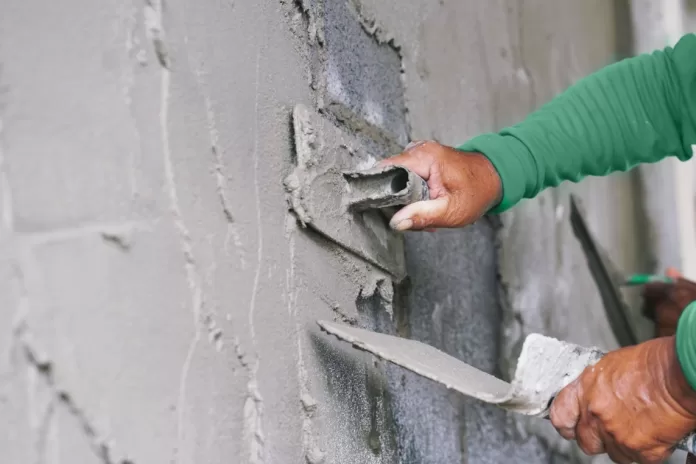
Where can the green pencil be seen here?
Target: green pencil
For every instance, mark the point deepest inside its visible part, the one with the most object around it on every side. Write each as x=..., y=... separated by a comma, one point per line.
x=642, y=279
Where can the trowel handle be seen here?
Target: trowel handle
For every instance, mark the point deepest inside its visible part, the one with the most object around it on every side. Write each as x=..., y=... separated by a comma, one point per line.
x=384, y=187
x=687, y=444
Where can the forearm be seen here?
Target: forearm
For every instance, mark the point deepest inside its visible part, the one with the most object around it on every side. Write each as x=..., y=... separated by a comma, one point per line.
x=637, y=111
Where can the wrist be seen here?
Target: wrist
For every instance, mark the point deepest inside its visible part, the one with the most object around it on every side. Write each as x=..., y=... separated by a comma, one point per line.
x=487, y=176
x=677, y=383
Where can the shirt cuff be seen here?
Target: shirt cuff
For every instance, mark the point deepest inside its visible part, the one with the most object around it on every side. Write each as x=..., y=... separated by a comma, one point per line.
x=508, y=155
x=686, y=343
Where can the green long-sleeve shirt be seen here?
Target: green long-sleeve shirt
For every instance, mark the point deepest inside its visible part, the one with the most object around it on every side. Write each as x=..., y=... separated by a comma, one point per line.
x=639, y=110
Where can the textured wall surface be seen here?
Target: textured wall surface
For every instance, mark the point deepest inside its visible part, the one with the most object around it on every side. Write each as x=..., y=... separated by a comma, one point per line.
x=158, y=297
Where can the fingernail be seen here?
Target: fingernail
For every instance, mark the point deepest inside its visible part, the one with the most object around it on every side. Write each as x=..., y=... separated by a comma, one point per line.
x=415, y=144
x=403, y=224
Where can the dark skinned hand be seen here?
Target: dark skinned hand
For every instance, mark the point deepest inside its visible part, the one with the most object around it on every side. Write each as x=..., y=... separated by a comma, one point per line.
x=665, y=302
x=463, y=187
x=635, y=404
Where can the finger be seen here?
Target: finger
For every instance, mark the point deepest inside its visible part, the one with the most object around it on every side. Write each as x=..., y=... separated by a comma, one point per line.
x=617, y=453
x=673, y=273
x=418, y=164
x=685, y=284
x=565, y=411
x=417, y=157
x=421, y=215
x=618, y=456
x=588, y=436
x=656, y=290
x=652, y=457
x=414, y=144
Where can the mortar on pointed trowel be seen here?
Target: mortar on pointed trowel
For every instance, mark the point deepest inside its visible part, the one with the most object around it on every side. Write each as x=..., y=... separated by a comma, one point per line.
x=335, y=190
x=544, y=368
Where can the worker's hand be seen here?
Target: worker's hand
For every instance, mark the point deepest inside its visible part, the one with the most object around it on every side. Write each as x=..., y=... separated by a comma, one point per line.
x=463, y=187
x=665, y=302
x=634, y=404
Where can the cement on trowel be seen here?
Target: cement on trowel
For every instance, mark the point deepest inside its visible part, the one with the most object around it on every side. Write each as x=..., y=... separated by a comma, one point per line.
x=545, y=366
x=317, y=192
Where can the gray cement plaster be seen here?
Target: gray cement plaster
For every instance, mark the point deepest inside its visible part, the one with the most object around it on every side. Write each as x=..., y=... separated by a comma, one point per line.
x=157, y=294
x=321, y=198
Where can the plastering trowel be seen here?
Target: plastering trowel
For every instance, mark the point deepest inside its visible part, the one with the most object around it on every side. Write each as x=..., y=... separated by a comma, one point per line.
x=544, y=368
x=335, y=190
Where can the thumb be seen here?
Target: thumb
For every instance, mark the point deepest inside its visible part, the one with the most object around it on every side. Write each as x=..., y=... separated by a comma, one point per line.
x=565, y=411
x=672, y=273
x=421, y=215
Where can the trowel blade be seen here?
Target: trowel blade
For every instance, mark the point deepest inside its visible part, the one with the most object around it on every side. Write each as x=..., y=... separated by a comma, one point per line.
x=545, y=366
x=317, y=191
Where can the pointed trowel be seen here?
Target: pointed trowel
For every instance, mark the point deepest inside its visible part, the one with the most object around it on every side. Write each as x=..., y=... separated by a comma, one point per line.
x=544, y=368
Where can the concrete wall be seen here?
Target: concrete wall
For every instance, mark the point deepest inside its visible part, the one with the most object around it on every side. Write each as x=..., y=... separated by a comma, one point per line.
x=159, y=298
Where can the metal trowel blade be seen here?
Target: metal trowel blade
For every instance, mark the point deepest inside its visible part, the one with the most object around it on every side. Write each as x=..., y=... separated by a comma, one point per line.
x=545, y=366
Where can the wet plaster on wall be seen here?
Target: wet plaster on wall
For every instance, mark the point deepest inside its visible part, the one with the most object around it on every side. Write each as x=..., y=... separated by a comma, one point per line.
x=167, y=281
x=465, y=74
x=166, y=339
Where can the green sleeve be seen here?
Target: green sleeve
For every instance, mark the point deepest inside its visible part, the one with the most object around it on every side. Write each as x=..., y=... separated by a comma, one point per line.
x=686, y=343
x=639, y=110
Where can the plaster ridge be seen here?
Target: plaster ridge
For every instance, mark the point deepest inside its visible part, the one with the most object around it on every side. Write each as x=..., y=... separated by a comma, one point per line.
x=520, y=54
x=291, y=226
x=181, y=400
x=155, y=31
x=45, y=370
x=44, y=430
x=220, y=177
x=313, y=453
x=305, y=9
x=372, y=27
x=221, y=180
x=192, y=273
x=308, y=405
x=105, y=229
x=128, y=78
x=253, y=406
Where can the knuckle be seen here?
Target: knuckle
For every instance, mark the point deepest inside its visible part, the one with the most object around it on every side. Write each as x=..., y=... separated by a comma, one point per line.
x=567, y=433
x=590, y=448
x=562, y=412
x=619, y=459
x=430, y=147
x=633, y=446
x=589, y=442
x=559, y=418
x=413, y=144
x=654, y=457
x=597, y=411
x=420, y=222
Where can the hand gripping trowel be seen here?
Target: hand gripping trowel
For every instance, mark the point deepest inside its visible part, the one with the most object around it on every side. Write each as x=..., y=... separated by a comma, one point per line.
x=336, y=191
x=544, y=367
